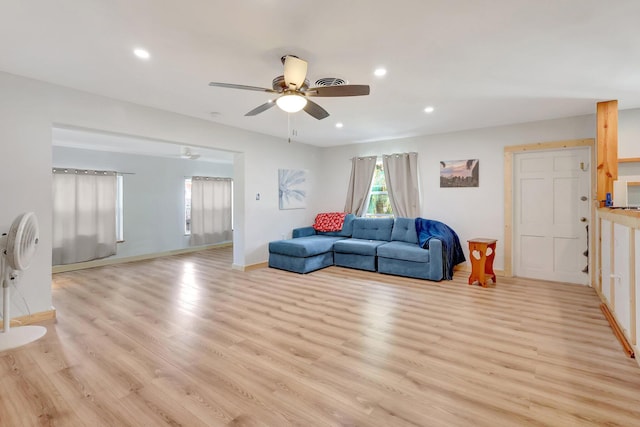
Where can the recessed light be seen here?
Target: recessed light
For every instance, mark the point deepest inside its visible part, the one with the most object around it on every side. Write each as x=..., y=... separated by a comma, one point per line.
x=141, y=53
x=380, y=72
x=339, y=125
x=429, y=109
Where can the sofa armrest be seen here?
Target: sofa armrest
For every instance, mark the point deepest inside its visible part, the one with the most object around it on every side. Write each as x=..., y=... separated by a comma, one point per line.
x=303, y=232
x=435, y=258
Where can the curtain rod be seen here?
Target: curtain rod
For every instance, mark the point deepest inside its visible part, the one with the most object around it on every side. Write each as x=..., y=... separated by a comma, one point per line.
x=208, y=177
x=363, y=157
x=57, y=169
x=382, y=155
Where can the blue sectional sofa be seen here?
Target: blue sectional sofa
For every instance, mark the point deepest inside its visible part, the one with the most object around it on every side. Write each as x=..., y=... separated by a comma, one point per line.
x=385, y=245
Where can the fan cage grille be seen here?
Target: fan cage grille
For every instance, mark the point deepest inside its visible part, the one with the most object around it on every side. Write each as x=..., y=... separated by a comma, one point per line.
x=330, y=81
x=22, y=241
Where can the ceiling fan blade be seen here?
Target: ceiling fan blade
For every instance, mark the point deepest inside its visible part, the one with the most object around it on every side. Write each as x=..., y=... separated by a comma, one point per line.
x=295, y=71
x=244, y=87
x=315, y=110
x=261, y=108
x=344, y=90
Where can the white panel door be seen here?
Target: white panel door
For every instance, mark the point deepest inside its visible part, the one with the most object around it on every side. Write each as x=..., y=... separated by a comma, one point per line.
x=551, y=212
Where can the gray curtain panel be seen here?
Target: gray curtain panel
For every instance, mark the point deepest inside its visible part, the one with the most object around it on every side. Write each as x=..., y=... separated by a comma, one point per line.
x=401, y=174
x=362, y=169
x=210, y=210
x=84, y=215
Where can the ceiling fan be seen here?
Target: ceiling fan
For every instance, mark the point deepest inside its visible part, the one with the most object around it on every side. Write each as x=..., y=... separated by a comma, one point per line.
x=186, y=153
x=293, y=90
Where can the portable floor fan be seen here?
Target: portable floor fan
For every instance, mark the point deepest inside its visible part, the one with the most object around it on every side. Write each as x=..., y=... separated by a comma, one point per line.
x=16, y=252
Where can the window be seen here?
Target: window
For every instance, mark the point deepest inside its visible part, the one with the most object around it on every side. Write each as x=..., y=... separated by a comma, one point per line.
x=187, y=206
x=119, y=208
x=379, y=203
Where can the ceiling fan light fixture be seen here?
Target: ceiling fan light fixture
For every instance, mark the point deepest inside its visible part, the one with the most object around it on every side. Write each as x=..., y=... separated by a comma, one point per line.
x=291, y=103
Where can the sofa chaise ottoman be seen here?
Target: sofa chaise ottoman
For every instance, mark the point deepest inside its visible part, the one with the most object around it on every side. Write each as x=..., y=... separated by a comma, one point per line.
x=308, y=250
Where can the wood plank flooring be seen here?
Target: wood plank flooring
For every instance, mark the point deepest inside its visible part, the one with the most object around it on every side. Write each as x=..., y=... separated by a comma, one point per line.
x=186, y=341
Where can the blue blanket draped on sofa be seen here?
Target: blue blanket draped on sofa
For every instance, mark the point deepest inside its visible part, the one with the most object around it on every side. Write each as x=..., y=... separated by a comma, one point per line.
x=452, y=254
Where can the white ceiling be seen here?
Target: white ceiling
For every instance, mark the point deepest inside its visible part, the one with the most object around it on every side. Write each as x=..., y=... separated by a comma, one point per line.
x=479, y=63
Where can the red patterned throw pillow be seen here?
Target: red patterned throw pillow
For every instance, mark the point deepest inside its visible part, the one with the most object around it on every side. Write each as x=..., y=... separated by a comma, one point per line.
x=329, y=221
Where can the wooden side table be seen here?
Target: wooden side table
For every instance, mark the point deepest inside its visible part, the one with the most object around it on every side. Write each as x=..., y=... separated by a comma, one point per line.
x=482, y=266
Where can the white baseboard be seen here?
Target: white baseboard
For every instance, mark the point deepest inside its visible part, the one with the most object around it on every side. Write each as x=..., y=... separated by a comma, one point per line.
x=249, y=267
x=110, y=261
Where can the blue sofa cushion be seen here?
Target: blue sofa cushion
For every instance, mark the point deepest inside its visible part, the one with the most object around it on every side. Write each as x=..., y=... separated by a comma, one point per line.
x=304, y=246
x=359, y=262
x=404, y=230
x=372, y=228
x=403, y=250
x=347, y=228
x=357, y=246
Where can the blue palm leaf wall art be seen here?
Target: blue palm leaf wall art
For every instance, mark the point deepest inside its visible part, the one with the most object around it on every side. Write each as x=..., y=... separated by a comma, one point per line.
x=292, y=192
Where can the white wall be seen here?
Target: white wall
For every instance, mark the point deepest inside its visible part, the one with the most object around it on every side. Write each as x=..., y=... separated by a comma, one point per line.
x=28, y=111
x=153, y=216
x=471, y=212
x=629, y=133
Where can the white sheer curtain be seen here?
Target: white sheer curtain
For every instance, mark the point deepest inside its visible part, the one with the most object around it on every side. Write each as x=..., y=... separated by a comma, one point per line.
x=210, y=210
x=84, y=215
x=401, y=174
x=362, y=169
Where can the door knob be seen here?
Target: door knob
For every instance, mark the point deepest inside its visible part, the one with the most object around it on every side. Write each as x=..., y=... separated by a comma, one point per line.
x=583, y=219
x=583, y=198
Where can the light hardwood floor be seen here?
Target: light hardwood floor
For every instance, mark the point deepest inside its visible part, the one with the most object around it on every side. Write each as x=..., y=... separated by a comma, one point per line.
x=185, y=340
